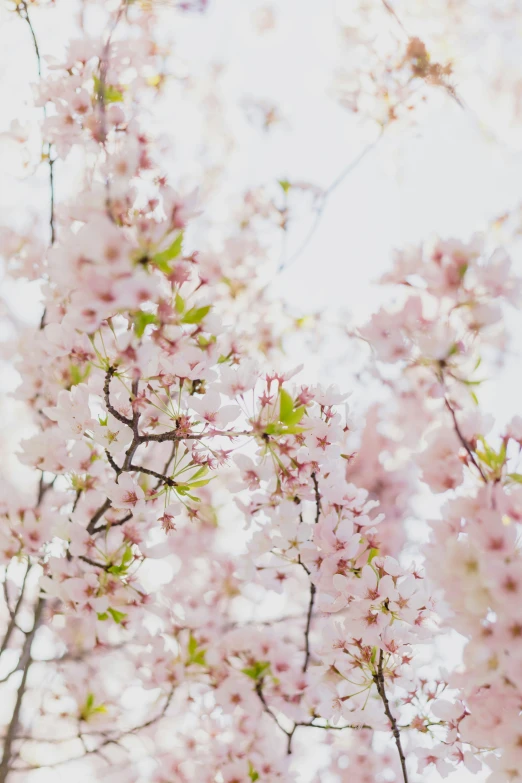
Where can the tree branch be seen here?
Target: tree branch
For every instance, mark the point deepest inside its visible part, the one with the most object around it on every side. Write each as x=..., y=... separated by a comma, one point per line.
x=14, y=613
x=106, y=393
x=308, y=624
x=23, y=13
x=324, y=199
x=379, y=682
x=25, y=664
x=464, y=441
x=106, y=505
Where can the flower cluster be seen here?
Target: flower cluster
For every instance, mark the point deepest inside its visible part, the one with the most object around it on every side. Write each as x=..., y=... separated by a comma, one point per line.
x=210, y=568
x=451, y=317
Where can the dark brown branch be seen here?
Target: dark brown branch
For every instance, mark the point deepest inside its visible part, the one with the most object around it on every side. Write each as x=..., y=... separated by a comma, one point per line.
x=317, y=498
x=103, y=566
x=172, y=435
x=266, y=708
x=113, y=524
x=381, y=689
x=112, y=463
x=161, y=478
x=135, y=428
x=308, y=624
x=464, y=441
x=76, y=499
x=298, y=724
x=167, y=465
x=43, y=488
x=106, y=392
x=312, y=725
x=91, y=527
x=311, y=601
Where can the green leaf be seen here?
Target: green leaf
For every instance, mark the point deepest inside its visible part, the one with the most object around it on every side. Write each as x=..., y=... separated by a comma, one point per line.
x=103, y=616
x=77, y=375
x=142, y=320
x=122, y=568
x=252, y=773
x=203, y=470
x=202, y=483
x=293, y=430
x=462, y=270
x=196, y=654
x=517, y=477
x=204, y=342
x=161, y=259
x=118, y=617
x=286, y=405
x=110, y=94
x=285, y=184
x=275, y=428
x=295, y=416
x=184, y=489
x=494, y=460
x=195, y=315
x=288, y=413
x=180, y=304
x=127, y=556
x=258, y=670
x=90, y=708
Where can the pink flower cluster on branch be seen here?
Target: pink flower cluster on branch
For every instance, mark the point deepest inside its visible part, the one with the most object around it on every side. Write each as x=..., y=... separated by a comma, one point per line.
x=450, y=318
x=206, y=578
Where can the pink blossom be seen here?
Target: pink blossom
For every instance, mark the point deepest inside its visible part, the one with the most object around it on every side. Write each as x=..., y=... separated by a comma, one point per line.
x=126, y=493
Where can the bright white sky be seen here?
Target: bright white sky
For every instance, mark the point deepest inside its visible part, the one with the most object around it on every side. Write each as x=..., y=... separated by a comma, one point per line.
x=444, y=176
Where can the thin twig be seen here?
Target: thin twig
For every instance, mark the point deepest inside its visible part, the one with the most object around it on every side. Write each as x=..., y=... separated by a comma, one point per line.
x=107, y=741
x=308, y=624
x=381, y=689
x=161, y=478
x=266, y=708
x=464, y=441
x=317, y=498
x=112, y=463
x=106, y=505
x=25, y=664
x=286, y=264
x=23, y=13
x=125, y=519
x=397, y=18
x=14, y=613
x=106, y=394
